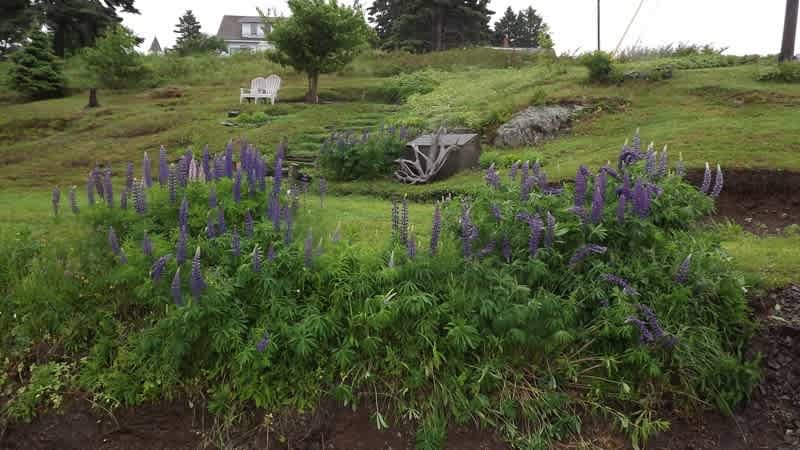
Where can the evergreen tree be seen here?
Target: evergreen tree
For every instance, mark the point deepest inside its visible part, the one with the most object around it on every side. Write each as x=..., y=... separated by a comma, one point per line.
x=523, y=29
x=16, y=17
x=505, y=27
x=422, y=25
x=35, y=70
x=191, y=39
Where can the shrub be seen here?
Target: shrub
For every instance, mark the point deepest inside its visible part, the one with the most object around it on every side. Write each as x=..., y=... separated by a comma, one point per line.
x=399, y=88
x=35, y=70
x=529, y=304
x=346, y=156
x=787, y=72
x=255, y=118
x=601, y=68
x=114, y=62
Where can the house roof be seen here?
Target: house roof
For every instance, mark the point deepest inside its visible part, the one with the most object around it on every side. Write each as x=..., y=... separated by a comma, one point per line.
x=444, y=139
x=230, y=29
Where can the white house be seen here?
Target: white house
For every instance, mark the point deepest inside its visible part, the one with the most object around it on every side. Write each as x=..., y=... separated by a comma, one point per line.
x=245, y=33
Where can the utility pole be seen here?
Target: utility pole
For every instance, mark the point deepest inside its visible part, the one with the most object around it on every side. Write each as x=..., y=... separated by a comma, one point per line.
x=598, y=24
x=789, y=31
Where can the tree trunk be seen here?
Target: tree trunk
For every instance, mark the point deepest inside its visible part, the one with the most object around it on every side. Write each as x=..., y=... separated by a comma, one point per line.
x=59, y=40
x=789, y=31
x=93, y=98
x=313, y=85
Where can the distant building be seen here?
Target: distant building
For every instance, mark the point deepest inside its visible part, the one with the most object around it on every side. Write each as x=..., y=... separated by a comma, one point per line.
x=155, y=47
x=245, y=33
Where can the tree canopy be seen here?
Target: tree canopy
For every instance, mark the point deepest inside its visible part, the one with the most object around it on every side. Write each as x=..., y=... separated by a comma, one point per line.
x=35, y=70
x=523, y=29
x=423, y=25
x=321, y=36
x=191, y=39
x=114, y=62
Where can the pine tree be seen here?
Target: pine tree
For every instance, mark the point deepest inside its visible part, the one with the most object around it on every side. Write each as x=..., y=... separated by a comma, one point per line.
x=187, y=29
x=505, y=27
x=530, y=24
x=523, y=29
x=35, y=70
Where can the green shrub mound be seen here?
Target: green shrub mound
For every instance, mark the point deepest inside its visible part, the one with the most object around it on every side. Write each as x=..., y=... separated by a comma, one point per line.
x=349, y=156
x=526, y=308
x=786, y=72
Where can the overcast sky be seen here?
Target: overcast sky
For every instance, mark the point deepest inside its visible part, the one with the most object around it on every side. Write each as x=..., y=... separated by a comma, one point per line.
x=743, y=26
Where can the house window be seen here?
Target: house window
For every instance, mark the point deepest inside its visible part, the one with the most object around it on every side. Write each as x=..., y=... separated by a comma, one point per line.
x=252, y=30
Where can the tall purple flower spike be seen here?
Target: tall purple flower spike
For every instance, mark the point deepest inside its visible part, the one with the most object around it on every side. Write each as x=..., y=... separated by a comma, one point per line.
x=73, y=201
x=436, y=229
x=598, y=199
x=237, y=186
x=505, y=247
x=206, y=162
x=183, y=213
x=236, y=245
x=221, y=227
x=411, y=246
x=256, y=256
x=549, y=236
x=163, y=167
x=113, y=242
x=581, y=179
x=404, y=221
x=261, y=347
x=718, y=182
x=158, y=268
x=196, y=283
x=248, y=224
x=129, y=176
x=682, y=276
x=706, y=180
x=621, y=282
x=492, y=178
x=56, y=200
x=641, y=200
x=172, y=183
x=512, y=174
x=583, y=252
x=469, y=232
x=108, y=189
x=147, y=245
x=536, y=226
x=146, y=171
x=212, y=197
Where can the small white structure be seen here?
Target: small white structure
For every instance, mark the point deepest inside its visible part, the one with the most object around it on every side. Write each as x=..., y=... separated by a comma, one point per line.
x=266, y=88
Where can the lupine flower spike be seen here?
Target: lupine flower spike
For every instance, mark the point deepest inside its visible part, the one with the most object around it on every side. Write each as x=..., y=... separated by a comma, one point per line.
x=183, y=213
x=73, y=201
x=147, y=178
x=583, y=252
x=256, y=255
x=436, y=229
x=113, y=242
x=261, y=347
x=236, y=246
x=706, y=180
x=196, y=283
x=411, y=246
x=163, y=167
x=147, y=245
x=108, y=190
x=682, y=276
x=158, y=268
x=492, y=178
x=404, y=222
x=718, y=182
x=550, y=233
x=627, y=289
x=56, y=200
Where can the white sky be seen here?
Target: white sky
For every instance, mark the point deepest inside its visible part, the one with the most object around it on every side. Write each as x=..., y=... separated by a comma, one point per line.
x=744, y=26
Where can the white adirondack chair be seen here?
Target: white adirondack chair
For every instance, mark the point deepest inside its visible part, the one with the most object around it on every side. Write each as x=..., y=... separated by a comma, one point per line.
x=266, y=88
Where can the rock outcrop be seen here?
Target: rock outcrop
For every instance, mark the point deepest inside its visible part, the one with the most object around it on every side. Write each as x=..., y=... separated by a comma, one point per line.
x=534, y=125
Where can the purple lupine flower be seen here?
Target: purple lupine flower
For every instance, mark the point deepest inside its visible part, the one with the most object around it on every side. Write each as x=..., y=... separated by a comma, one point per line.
x=627, y=157
x=175, y=288
x=581, y=178
x=436, y=229
x=621, y=282
x=637, y=141
x=645, y=336
x=183, y=213
x=209, y=174
x=278, y=175
x=580, y=212
x=139, y=197
x=221, y=227
x=211, y=231
x=512, y=174
x=706, y=180
x=158, y=268
x=196, y=283
x=256, y=257
x=108, y=189
x=236, y=245
x=97, y=178
x=248, y=224
x=172, y=183
x=56, y=200
x=641, y=200
x=526, y=167
x=129, y=176
x=610, y=172
x=261, y=173
x=717, y=183
x=663, y=164
x=536, y=226
x=308, y=250
x=287, y=237
x=219, y=167
x=488, y=249
x=583, y=252
x=550, y=234
x=90, y=191
x=180, y=250
x=536, y=170
x=598, y=199
x=182, y=172
x=526, y=188
x=682, y=275
x=492, y=178
x=212, y=197
x=123, y=198
x=73, y=200
x=411, y=246
x=404, y=221
x=113, y=242
x=229, y=160
x=395, y=219
x=622, y=203
x=506, y=249
x=650, y=165
x=652, y=322
x=237, y=186
x=680, y=168
x=261, y=347
x=469, y=232
x=146, y=175
x=496, y=212
x=163, y=167
x=323, y=189
x=147, y=245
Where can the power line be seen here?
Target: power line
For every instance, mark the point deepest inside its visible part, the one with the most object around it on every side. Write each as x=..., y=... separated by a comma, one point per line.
x=628, y=28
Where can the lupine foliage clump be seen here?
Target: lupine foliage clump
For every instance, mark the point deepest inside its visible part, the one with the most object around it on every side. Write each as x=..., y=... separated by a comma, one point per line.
x=522, y=312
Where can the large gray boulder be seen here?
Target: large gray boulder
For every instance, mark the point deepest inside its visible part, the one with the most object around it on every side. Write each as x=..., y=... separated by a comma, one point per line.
x=534, y=125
